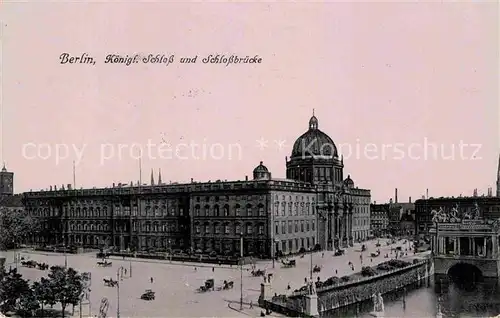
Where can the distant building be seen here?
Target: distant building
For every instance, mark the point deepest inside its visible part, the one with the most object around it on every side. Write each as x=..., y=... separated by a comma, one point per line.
x=8, y=200
x=315, y=207
x=379, y=219
x=498, y=177
x=407, y=223
x=6, y=182
x=396, y=213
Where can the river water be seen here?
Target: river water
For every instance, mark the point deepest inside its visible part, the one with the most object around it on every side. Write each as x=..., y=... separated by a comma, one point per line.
x=421, y=300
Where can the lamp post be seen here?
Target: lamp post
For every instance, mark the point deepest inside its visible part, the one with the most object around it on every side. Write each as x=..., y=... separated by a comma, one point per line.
x=170, y=250
x=118, y=272
x=241, y=271
x=65, y=256
x=275, y=249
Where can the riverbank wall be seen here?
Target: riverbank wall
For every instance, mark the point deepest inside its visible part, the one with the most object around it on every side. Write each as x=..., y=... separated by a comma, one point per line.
x=335, y=297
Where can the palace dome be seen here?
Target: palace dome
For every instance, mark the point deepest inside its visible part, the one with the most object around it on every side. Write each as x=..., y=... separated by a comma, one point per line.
x=349, y=182
x=314, y=142
x=260, y=168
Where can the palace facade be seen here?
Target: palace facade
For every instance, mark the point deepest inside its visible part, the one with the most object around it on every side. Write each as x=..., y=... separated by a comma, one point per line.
x=314, y=207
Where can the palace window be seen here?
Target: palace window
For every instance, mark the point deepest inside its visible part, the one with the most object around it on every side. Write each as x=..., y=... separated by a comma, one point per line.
x=197, y=210
x=237, y=211
x=226, y=228
x=283, y=227
x=249, y=210
x=313, y=226
x=207, y=228
x=207, y=210
x=261, y=210
x=261, y=229
x=197, y=228
x=216, y=210
x=296, y=226
x=249, y=228
x=217, y=228
x=290, y=228
x=237, y=229
x=276, y=227
x=302, y=225
x=290, y=211
x=296, y=209
x=283, y=209
x=226, y=210
x=277, y=209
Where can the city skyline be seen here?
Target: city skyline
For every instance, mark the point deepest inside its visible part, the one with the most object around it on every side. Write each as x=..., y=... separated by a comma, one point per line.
x=406, y=74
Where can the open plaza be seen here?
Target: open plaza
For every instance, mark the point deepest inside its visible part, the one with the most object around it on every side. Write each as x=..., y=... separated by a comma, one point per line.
x=176, y=283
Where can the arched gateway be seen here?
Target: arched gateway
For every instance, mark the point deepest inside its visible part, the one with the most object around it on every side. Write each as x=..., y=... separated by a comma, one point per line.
x=465, y=246
x=465, y=273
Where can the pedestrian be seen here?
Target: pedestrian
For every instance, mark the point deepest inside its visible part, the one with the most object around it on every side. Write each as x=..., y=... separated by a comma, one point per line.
x=125, y=270
x=251, y=304
x=323, y=255
x=213, y=269
x=336, y=272
x=195, y=269
x=151, y=280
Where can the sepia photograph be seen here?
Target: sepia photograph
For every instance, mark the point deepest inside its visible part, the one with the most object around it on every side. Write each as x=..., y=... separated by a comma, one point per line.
x=249, y=158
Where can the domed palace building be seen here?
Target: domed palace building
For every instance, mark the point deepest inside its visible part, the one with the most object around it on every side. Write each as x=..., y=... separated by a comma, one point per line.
x=314, y=207
x=343, y=210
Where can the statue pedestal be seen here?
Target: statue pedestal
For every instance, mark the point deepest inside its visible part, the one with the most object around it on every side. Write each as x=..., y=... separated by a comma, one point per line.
x=266, y=292
x=312, y=305
x=378, y=314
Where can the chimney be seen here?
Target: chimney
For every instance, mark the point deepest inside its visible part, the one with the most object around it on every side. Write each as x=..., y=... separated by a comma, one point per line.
x=246, y=178
x=396, y=195
x=409, y=200
x=191, y=180
x=69, y=186
x=113, y=184
x=50, y=188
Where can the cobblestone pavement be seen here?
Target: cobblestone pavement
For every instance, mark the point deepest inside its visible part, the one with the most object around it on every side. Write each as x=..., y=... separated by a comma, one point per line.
x=176, y=283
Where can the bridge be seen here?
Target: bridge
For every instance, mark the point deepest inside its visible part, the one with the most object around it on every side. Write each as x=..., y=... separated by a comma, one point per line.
x=465, y=248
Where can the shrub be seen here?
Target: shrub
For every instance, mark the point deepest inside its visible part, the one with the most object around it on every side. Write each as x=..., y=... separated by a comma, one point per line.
x=367, y=271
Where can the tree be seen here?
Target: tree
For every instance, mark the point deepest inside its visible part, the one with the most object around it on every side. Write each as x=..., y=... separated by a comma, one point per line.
x=43, y=294
x=65, y=285
x=16, y=226
x=28, y=304
x=12, y=288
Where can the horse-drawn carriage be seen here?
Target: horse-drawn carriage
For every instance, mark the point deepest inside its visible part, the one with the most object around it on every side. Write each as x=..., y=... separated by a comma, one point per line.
x=376, y=254
x=339, y=252
x=29, y=264
x=289, y=263
x=259, y=272
x=316, y=269
x=209, y=286
x=110, y=282
x=42, y=266
x=148, y=295
x=378, y=244
x=228, y=285
x=104, y=263
x=363, y=248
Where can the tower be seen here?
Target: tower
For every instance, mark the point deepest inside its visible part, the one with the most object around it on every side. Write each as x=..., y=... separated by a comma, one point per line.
x=498, y=177
x=152, y=178
x=6, y=182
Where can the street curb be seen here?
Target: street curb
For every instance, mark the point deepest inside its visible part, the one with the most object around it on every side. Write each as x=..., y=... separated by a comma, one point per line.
x=167, y=262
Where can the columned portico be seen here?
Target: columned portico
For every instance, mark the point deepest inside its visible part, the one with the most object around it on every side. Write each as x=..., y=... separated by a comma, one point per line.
x=473, y=242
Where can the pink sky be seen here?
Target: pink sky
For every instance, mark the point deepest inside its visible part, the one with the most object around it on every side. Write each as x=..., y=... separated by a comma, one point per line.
x=375, y=73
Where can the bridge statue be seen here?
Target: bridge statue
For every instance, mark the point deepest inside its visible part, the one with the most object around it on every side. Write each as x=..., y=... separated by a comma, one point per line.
x=378, y=305
x=476, y=211
x=312, y=287
x=440, y=216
